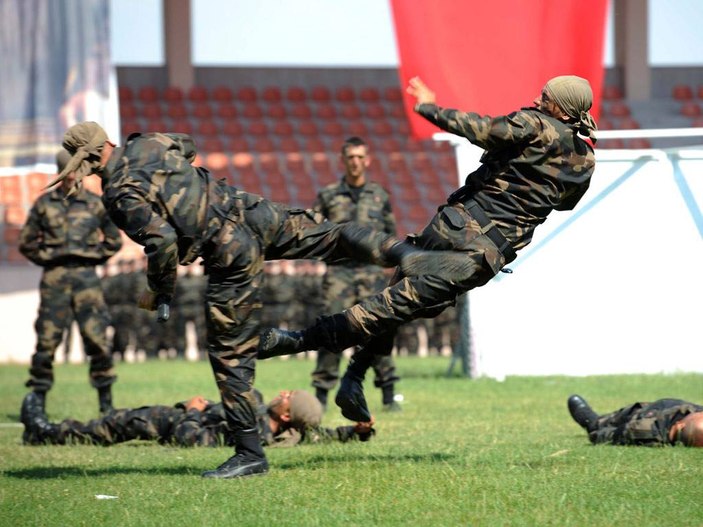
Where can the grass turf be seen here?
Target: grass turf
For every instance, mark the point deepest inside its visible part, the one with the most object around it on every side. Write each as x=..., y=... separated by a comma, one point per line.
x=462, y=452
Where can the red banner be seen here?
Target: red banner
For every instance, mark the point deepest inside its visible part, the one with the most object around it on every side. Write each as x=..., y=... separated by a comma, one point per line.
x=495, y=57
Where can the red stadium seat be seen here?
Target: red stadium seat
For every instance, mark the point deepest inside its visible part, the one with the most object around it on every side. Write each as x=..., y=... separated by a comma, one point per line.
x=246, y=94
x=211, y=144
x=128, y=111
x=257, y=128
x=301, y=111
x=148, y=94
x=268, y=164
x=275, y=110
x=282, y=128
x=314, y=144
x=172, y=94
x=222, y=94
x=397, y=111
x=207, y=128
x=614, y=143
x=388, y=144
x=611, y=93
x=392, y=94
x=11, y=234
x=125, y=94
x=325, y=111
x=130, y=126
x=226, y=111
x=202, y=110
x=628, y=123
x=151, y=111
x=216, y=161
x=382, y=128
x=176, y=111
x=605, y=124
x=307, y=128
x=232, y=128
x=350, y=111
x=263, y=144
x=154, y=125
x=691, y=109
x=252, y=111
x=198, y=94
x=374, y=110
x=639, y=142
x=332, y=129
x=237, y=144
x=357, y=128
x=682, y=92
x=617, y=109
x=345, y=94
x=369, y=95
x=288, y=144
x=296, y=94
x=15, y=215
x=320, y=94
x=36, y=183
x=271, y=94
x=295, y=163
x=181, y=126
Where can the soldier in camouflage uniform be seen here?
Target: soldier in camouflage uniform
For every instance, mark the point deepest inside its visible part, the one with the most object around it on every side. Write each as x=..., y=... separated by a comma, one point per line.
x=535, y=162
x=68, y=234
x=291, y=418
x=119, y=304
x=189, y=306
x=178, y=213
x=354, y=198
x=660, y=423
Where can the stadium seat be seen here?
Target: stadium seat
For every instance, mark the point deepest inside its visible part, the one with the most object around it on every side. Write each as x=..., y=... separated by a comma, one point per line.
x=605, y=124
x=325, y=111
x=181, y=126
x=382, y=128
x=202, y=110
x=421, y=161
x=11, y=234
x=252, y=111
x=700, y=92
x=36, y=183
x=237, y=144
x=226, y=110
x=176, y=111
x=232, y=128
x=216, y=161
x=271, y=94
x=207, y=128
x=369, y=95
x=611, y=93
x=374, y=110
x=128, y=111
x=392, y=94
x=397, y=111
x=387, y=144
x=282, y=128
x=172, y=94
x=345, y=94
x=210, y=144
x=198, y=94
x=320, y=94
x=154, y=125
x=151, y=110
x=614, y=143
x=222, y=94
x=257, y=128
x=305, y=195
x=288, y=144
x=628, y=123
x=357, y=128
x=296, y=94
x=148, y=94
x=246, y=94
x=130, y=126
x=617, y=109
x=307, y=128
x=125, y=94
x=332, y=129
x=682, y=92
x=691, y=109
x=301, y=110
x=295, y=163
x=396, y=162
x=268, y=164
x=350, y=111
x=10, y=190
x=263, y=144
x=313, y=145
x=275, y=110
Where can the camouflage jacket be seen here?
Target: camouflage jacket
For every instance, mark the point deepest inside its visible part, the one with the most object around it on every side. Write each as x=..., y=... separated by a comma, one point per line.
x=74, y=230
x=154, y=194
x=532, y=164
x=644, y=424
x=337, y=203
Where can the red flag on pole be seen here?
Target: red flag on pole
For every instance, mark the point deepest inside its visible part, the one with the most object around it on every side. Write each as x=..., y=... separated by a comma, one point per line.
x=495, y=57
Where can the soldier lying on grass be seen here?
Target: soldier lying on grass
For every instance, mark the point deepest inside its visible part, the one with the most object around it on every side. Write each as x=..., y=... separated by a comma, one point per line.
x=291, y=418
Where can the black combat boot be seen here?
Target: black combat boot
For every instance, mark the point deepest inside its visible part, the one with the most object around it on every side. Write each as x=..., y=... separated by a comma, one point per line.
x=582, y=413
x=333, y=332
x=105, y=399
x=37, y=428
x=389, y=402
x=350, y=396
x=249, y=459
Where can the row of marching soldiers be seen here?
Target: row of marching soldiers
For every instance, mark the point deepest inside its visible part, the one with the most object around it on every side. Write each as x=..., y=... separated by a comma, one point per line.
x=292, y=297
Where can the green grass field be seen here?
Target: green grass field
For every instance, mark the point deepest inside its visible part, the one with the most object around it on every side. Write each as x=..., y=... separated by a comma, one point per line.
x=462, y=452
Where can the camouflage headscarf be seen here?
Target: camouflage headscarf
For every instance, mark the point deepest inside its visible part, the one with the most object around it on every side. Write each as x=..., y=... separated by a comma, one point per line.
x=84, y=141
x=574, y=96
x=305, y=410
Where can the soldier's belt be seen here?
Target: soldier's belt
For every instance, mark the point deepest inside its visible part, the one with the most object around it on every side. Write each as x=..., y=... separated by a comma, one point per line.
x=493, y=233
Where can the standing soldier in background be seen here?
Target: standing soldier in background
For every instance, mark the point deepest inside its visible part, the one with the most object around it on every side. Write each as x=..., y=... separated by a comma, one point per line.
x=189, y=306
x=119, y=304
x=68, y=233
x=354, y=198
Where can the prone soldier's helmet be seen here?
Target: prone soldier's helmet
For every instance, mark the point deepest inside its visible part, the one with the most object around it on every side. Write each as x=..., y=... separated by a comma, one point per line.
x=305, y=410
x=691, y=433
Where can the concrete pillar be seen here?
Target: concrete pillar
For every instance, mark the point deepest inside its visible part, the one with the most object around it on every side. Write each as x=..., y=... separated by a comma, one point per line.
x=631, y=48
x=177, y=36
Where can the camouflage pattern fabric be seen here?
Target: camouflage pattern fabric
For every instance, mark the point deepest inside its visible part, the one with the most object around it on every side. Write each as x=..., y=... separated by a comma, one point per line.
x=69, y=237
x=533, y=164
x=189, y=306
x=174, y=425
x=177, y=212
x=642, y=424
x=346, y=284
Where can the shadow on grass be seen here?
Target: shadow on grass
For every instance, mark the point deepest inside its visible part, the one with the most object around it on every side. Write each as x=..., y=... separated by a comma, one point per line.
x=344, y=459
x=75, y=472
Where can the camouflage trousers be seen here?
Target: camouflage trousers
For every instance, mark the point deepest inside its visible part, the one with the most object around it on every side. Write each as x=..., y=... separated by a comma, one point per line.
x=67, y=294
x=234, y=262
x=345, y=285
x=375, y=320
